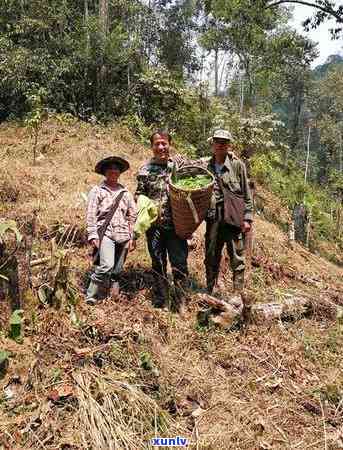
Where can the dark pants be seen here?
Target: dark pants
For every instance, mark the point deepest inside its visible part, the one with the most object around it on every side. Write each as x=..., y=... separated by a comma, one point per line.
x=218, y=234
x=162, y=243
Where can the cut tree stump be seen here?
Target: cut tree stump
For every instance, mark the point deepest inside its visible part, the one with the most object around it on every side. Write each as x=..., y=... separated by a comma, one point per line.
x=224, y=314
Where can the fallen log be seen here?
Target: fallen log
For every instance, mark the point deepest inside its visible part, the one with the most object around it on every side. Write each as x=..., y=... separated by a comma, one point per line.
x=226, y=313
x=292, y=307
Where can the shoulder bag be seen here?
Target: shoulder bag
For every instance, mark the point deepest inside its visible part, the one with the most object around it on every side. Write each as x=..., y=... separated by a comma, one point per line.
x=103, y=228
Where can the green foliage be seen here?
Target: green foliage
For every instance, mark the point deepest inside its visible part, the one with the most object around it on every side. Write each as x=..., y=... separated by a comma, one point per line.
x=288, y=183
x=336, y=182
x=36, y=116
x=159, y=97
x=321, y=71
x=192, y=182
x=254, y=133
x=144, y=67
x=176, y=47
x=137, y=126
x=56, y=374
x=4, y=356
x=147, y=363
x=16, y=325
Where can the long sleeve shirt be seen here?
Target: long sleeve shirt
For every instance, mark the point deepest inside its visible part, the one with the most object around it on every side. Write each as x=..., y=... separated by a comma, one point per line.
x=153, y=182
x=100, y=200
x=234, y=177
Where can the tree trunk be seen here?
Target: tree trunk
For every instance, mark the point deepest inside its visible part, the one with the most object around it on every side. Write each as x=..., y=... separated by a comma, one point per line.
x=308, y=152
x=298, y=99
x=101, y=72
x=340, y=153
x=103, y=15
x=300, y=223
x=216, y=70
x=241, y=95
x=222, y=64
x=86, y=11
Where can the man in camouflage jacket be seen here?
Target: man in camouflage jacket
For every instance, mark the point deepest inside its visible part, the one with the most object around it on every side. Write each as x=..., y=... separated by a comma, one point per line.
x=232, y=172
x=152, y=181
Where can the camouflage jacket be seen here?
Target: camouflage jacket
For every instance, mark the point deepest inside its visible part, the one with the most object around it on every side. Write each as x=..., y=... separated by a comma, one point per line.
x=152, y=181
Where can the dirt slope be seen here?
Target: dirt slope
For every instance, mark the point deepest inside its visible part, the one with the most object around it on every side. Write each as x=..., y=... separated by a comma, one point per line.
x=119, y=374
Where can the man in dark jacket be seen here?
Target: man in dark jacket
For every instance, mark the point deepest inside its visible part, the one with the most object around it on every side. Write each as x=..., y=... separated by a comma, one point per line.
x=152, y=181
x=230, y=173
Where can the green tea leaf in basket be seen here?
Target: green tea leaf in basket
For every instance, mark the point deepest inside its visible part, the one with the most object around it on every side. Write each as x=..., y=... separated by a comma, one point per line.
x=193, y=182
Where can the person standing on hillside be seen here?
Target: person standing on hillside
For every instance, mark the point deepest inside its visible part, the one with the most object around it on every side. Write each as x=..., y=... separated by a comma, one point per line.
x=152, y=181
x=111, y=215
x=231, y=213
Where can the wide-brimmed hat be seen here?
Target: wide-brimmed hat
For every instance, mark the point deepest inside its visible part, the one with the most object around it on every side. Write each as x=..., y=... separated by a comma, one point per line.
x=102, y=165
x=221, y=134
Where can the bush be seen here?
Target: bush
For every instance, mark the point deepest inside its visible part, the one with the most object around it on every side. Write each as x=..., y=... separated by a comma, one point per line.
x=267, y=169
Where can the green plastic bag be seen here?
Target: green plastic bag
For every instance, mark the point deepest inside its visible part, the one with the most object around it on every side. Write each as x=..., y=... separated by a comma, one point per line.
x=147, y=215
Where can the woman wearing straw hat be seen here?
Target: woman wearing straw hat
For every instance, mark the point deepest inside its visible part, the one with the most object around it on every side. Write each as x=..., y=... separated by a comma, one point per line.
x=111, y=215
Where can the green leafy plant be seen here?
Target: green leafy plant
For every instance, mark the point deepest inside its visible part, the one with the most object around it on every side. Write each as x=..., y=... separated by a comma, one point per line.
x=35, y=118
x=4, y=355
x=147, y=363
x=16, y=325
x=192, y=182
x=56, y=374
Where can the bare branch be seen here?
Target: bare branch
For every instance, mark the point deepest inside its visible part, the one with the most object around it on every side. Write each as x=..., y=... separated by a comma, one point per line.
x=329, y=11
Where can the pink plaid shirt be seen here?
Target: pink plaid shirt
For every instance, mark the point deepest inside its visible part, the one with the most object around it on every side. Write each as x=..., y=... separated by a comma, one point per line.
x=100, y=200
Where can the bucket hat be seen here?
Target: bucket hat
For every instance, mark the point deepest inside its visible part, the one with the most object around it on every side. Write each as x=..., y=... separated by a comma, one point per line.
x=221, y=134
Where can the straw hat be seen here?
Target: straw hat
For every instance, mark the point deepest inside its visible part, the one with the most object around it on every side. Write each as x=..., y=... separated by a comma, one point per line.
x=102, y=165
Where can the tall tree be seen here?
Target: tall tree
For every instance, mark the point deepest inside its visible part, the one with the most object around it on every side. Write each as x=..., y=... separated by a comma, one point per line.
x=176, y=36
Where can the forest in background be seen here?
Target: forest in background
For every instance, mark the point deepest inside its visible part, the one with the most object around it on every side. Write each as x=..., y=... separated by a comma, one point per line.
x=189, y=65
x=80, y=78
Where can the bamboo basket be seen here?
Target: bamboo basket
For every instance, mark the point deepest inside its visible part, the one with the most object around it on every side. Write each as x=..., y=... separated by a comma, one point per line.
x=189, y=207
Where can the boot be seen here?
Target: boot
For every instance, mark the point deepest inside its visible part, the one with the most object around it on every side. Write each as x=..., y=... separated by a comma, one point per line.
x=181, y=287
x=161, y=292
x=92, y=296
x=115, y=290
x=211, y=279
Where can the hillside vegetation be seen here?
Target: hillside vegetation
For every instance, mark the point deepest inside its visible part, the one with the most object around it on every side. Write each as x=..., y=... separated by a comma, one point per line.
x=118, y=374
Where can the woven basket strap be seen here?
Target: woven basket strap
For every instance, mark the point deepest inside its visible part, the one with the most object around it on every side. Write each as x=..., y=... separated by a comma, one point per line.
x=193, y=209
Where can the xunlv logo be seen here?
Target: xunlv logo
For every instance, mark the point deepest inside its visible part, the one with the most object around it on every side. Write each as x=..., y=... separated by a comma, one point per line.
x=169, y=442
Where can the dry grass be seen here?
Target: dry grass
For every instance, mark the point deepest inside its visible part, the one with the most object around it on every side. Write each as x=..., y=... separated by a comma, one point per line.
x=133, y=372
x=54, y=187
x=255, y=388
x=115, y=414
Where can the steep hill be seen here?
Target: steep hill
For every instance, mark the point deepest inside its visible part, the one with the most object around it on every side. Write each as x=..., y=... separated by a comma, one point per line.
x=121, y=373
x=322, y=70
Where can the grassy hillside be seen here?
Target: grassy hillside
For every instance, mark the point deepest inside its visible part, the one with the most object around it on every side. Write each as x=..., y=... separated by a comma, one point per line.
x=115, y=375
